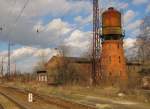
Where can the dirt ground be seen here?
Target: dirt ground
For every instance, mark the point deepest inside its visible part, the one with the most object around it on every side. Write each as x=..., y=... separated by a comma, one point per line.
x=102, y=98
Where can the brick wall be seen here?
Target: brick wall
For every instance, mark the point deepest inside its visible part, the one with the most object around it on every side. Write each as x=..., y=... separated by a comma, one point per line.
x=113, y=60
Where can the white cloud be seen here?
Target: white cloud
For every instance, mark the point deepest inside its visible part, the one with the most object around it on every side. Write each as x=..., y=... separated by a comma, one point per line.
x=133, y=28
x=128, y=16
x=134, y=25
x=82, y=20
x=43, y=7
x=25, y=31
x=138, y=2
x=59, y=26
x=123, y=5
x=27, y=57
x=148, y=9
x=22, y=52
x=129, y=42
x=45, y=15
x=52, y=31
x=79, y=41
x=136, y=32
x=114, y=3
x=26, y=52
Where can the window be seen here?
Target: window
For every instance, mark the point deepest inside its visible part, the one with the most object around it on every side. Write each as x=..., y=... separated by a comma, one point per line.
x=110, y=59
x=119, y=59
x=118, y=45
x=110, y=73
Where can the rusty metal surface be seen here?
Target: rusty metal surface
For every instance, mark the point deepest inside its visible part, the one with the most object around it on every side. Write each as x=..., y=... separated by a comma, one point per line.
x=111, y=22
x=96, y=43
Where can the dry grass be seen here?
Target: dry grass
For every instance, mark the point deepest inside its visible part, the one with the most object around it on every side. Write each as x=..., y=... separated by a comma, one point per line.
x=78, y=92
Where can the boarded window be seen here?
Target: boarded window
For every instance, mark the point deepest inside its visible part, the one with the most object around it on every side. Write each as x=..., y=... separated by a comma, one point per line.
x=118, y=45
x=119, y=59
x=110, y=74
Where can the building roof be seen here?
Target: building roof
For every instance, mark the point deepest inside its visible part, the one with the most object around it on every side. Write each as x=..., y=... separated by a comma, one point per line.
x=134, y=63
x=71, y=59
x=42, y=71
x=86, y=60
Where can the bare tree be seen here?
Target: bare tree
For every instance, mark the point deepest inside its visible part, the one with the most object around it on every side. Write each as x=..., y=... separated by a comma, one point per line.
x=143, y=41
x=64, y=71
x=42, y=60
x=63, y=50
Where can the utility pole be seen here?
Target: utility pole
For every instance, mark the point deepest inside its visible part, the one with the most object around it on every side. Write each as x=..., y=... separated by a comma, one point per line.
x=1, y=29
x=2, y=68
x=8, y=66
x=96, y=42
x=15, y=68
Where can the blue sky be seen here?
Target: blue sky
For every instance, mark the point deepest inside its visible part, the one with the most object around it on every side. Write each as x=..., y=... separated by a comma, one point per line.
x=60, y=22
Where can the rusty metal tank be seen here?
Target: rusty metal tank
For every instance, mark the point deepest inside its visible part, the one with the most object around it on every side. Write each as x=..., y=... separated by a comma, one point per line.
x=111, y=22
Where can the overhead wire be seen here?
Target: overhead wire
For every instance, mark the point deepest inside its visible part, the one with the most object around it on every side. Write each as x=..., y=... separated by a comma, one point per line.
x=22, y=10
x=65, y=34
x=20, y=14
x=10, y=12
x=38, y=30
x=17, y=18
x=11, y=29
x=13, y=6
x=72, y=29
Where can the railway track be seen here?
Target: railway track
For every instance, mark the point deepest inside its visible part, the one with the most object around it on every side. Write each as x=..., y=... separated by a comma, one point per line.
x=1, y=107
x=19, y=97
x=6, y=103
x=13, y=101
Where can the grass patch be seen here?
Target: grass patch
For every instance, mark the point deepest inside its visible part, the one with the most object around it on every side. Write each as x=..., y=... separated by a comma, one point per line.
x=78, y=92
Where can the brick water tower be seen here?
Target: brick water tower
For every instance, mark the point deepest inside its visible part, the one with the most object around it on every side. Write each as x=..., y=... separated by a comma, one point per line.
x=113, y=65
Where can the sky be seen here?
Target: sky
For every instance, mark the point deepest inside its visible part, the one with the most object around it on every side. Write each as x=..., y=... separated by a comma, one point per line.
x=59, y=22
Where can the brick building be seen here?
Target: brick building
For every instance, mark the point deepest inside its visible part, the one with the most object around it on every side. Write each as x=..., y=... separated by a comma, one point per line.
x=113, y=61
x=82, y=65
x=42, y=76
